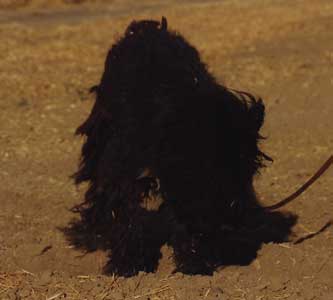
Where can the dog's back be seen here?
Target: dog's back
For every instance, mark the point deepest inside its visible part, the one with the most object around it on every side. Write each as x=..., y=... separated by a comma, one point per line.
x=158, y=107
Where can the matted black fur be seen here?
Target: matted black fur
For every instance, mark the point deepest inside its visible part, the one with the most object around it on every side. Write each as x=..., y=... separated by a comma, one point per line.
x=159, y=114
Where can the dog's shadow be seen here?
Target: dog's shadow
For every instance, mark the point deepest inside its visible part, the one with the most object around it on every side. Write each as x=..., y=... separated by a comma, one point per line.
x=232, y=245
x=137, y=247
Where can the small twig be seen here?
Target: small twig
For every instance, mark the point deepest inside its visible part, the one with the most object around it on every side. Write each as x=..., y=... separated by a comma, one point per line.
x=83, y=277
x=44, y=250
x=154, y=292
x=207, y=292
x=27, y=272
x=138, y=283
x=284, y=246
x=76, y=292
x=114, y=280
x=55, y=296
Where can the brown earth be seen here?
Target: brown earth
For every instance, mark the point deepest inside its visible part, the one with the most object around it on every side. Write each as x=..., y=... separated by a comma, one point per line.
x=51, y=52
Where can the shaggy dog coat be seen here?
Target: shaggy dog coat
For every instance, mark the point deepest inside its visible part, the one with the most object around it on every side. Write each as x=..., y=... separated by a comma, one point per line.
x=162, y=124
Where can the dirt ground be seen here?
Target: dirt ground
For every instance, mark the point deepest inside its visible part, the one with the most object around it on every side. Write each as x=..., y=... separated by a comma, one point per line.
x=51, y=52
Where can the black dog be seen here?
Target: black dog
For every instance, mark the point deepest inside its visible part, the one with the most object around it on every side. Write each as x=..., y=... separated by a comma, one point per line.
x=162, y=124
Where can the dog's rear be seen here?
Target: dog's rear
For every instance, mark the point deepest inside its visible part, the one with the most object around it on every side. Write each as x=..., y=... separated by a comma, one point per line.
x=158, y=108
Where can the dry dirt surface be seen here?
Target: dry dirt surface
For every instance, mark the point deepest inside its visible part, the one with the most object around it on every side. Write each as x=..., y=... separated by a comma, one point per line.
x=51, y=52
